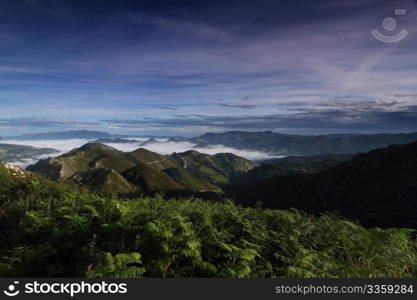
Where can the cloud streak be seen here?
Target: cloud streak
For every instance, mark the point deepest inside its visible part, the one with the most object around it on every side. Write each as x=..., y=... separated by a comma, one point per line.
x=184, y=27
x=243, y=106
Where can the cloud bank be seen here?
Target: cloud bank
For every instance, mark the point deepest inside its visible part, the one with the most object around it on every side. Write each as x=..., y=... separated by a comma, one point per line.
x=160, y=146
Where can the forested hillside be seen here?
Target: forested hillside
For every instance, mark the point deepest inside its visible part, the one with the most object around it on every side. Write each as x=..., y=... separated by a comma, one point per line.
x=56, y=229
x=289, y=165
x=376, y=188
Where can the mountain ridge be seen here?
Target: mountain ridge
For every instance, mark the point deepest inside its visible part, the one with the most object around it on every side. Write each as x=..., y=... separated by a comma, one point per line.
x=144, y=170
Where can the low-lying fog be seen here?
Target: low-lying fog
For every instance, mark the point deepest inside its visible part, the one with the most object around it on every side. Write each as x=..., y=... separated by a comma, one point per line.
x=159, y=145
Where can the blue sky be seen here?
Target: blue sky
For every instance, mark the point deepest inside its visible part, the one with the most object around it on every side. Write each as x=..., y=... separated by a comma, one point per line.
x=189, y=67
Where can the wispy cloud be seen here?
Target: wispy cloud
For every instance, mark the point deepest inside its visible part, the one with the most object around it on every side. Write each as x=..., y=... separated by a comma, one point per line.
x=243, y=106
x=198, y=29
x=339, y=116
x=45, y=122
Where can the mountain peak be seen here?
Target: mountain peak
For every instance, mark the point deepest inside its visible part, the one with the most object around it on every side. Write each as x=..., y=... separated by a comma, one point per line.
x=96, y=146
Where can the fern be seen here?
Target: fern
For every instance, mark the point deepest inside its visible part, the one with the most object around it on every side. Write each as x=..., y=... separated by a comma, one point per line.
x=122, y=265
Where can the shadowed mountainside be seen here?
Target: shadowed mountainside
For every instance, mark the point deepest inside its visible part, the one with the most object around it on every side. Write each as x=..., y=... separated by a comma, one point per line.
x=377, y=188
x=291, y=165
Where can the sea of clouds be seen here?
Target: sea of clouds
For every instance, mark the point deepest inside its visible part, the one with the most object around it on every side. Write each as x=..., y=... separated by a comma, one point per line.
x=158, y=145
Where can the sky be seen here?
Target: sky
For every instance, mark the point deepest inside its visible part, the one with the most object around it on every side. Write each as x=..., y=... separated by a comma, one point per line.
x=184, y=68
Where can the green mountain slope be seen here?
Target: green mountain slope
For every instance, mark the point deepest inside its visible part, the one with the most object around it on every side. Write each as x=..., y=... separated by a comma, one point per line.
x=103, y=180
x=82, y=159
x=211, y=171
x=143, y=169
x=148, y=179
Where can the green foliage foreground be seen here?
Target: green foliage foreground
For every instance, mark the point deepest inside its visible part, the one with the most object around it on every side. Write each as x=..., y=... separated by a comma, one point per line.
x=51, y=229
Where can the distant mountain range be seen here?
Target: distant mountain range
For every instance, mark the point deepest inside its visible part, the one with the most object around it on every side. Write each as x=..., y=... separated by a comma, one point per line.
x=101, y=167
x=376, y=188
x=62, y=135
x=269, y=142
x=19, y=153
x=284, y=144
